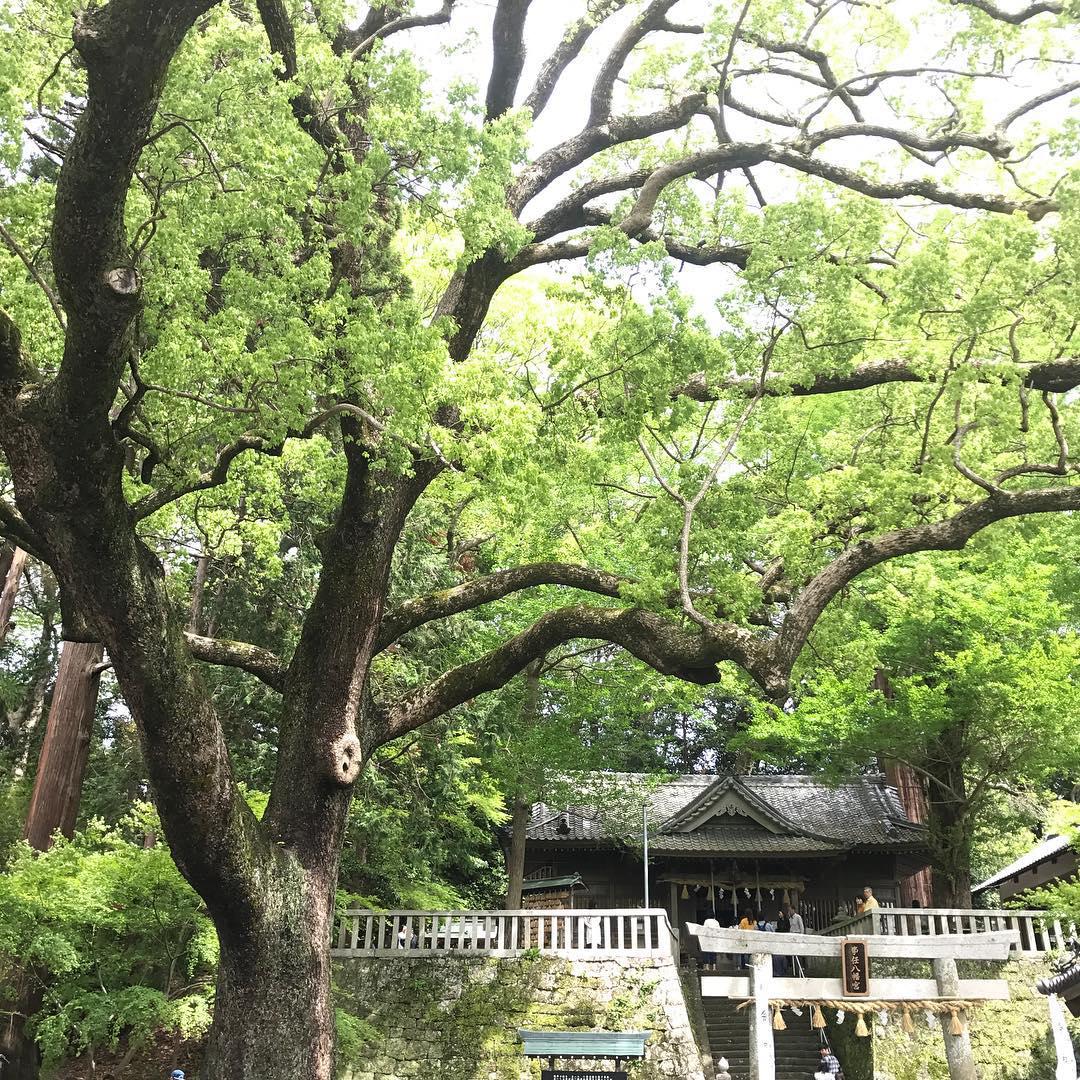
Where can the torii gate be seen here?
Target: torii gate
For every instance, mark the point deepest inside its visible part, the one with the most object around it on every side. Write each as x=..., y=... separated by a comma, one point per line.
x=762, y=986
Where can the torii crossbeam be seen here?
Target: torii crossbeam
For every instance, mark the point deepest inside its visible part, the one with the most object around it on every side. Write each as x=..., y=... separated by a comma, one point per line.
x=761, y=986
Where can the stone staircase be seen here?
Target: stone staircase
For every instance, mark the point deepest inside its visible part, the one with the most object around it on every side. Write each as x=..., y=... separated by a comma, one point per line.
x=797, y=1053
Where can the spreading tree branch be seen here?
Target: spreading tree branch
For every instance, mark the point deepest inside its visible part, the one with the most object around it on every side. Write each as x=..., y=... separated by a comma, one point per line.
x=261, y=663
x=1056, y=376
x=1041, y=7
x=416, y=612
x=656, y=641
x=951, y=534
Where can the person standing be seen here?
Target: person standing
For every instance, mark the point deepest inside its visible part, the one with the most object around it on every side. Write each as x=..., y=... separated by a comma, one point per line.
x=708, y=959
x=797, y=926
x=748, y=922
x=782, y=926
x=795, y=920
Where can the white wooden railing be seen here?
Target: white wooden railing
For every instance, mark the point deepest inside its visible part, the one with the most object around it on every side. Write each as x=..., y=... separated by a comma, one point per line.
x=1039, y=931
x=505, y=933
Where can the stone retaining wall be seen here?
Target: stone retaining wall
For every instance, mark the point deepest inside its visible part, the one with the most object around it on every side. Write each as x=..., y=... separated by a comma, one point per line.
x=1010, y=1040
x=457, y=1018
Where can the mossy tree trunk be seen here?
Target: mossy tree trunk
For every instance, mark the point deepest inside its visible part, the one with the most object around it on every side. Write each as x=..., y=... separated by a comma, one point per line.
x=268, y=885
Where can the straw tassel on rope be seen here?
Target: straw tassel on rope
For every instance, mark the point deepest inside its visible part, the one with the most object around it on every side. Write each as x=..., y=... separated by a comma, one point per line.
x=778, y=1020
x=817, y=1019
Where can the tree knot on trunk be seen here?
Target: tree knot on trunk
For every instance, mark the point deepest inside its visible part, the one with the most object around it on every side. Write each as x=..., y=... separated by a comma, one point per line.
x=123, y=280
x=346, y=758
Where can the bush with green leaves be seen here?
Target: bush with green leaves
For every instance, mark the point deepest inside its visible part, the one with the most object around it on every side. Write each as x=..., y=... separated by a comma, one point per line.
x=118, y=939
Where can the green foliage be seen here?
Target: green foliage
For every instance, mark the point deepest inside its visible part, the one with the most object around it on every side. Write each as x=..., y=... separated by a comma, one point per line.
x=980, y=656
x=118, y=937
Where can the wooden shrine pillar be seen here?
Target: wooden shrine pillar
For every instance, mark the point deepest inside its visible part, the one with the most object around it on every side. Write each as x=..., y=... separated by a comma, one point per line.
x=762, y=1047
x=957, y=1047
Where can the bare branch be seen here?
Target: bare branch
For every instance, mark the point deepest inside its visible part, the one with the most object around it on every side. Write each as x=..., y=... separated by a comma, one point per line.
x=1035, y=102
x=1058, y=376
x=17, y=250
x=403, y=22
x=1041, y=7
x=565, y=54
x=652, y=18
x=691, y=656
x=958, y=437
x=718, y=121
x=264, y=665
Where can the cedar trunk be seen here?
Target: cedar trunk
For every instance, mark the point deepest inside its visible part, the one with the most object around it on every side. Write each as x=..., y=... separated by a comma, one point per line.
x=950, y=818
x=515, y=858
x=54, y=806
x=58, y=783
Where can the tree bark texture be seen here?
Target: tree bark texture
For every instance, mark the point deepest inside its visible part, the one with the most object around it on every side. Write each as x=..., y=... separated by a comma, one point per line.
x=12, y=575
x=519, y=820
x=950, y=819
x=273, y=1013
x=515, y=857
x=918, y=886
x=54, y=805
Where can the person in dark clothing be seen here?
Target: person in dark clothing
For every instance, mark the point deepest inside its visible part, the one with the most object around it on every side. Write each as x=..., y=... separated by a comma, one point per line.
x=783, y=926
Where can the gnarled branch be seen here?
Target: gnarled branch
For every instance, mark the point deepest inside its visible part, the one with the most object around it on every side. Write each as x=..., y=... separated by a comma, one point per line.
x=472, y=594
x=261, y=663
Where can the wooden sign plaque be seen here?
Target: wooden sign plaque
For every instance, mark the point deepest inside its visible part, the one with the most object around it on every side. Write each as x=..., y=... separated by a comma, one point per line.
x=855, y=967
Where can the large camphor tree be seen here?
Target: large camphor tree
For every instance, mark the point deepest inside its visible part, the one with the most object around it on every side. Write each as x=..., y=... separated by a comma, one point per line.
x=247, y=237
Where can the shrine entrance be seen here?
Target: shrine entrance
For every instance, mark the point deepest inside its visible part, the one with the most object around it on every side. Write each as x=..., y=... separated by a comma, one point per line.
x=856, y=990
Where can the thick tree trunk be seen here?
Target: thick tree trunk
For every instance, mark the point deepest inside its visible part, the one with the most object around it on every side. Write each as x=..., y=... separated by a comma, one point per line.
x=515, y=857
x=11, y=576
x=273, y=1013
x=519, y=820
x=917, y=887
x=58, y=783
x=950, y=820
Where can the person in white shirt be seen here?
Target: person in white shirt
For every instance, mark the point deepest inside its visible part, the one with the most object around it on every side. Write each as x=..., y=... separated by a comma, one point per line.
x=797, y=927
x=796, y=921
x=708, y=959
